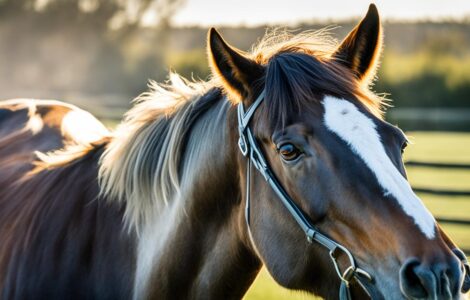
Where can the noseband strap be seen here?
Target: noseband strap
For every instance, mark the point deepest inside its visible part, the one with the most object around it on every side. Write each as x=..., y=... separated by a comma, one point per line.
x=249, y=147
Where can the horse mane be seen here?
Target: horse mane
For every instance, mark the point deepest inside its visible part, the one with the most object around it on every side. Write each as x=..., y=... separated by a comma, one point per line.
x=141, y=164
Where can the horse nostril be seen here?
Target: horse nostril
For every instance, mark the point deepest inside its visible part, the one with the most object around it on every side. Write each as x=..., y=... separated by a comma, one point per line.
x=465, y=269
x=411, y=280
x=437, y=281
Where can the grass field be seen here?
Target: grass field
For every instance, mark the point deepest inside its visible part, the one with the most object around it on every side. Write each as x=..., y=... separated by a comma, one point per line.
x=435, y=147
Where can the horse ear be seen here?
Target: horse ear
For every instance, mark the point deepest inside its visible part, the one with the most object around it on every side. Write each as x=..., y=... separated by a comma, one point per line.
x=239, y=73
x=360, y=50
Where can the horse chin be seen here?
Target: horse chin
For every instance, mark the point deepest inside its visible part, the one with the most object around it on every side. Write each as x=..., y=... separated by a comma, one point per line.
x=385, y=283
x=373, y=292
x=387, y=289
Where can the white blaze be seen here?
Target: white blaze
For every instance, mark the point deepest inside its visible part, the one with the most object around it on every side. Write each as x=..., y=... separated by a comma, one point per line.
x=359, y=132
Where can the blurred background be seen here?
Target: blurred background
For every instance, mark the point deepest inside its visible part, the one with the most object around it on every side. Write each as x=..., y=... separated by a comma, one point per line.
x=99, y=55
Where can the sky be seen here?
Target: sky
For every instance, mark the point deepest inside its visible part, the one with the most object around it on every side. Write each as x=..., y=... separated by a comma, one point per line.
x=290, y=12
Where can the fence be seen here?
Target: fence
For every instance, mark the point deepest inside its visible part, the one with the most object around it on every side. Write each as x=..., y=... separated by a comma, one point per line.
x=443, y=192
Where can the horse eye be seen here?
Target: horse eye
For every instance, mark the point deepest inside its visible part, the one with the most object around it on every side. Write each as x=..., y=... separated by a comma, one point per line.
x=403, y=146
x=289, y=152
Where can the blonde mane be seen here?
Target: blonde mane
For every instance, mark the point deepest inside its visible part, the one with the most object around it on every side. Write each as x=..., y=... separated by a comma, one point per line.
x=140, y=163
x=319, y=43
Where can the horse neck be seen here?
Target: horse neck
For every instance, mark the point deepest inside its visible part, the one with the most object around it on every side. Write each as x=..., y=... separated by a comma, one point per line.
x=198, y=247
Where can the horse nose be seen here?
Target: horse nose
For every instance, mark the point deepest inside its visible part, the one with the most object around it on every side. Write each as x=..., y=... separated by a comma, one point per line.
x=440, y=280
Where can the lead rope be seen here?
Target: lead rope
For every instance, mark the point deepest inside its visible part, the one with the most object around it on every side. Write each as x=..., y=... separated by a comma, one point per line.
x=248, y=145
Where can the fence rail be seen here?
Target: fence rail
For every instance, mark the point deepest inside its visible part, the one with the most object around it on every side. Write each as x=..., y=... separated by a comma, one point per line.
x=438, y=165
x=452, y=221
x=414, y=163
x=441, y=192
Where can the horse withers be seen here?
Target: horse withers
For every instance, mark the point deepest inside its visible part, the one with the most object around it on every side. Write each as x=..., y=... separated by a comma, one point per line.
x=169, y=207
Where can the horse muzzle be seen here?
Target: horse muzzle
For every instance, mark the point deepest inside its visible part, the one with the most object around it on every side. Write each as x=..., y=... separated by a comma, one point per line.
x=440, y=279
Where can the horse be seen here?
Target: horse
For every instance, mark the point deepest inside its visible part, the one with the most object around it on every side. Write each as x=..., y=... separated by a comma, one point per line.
x=28, y=126
x=171, y=204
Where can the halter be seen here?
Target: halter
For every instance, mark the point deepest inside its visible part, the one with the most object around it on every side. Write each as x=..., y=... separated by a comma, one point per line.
x=248, y=146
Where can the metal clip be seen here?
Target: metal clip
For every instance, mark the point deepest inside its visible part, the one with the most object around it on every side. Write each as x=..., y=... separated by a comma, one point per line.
x=347, y=275
x=350, y=272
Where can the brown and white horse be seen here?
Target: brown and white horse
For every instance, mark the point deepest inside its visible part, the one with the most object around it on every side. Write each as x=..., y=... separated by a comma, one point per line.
x=156, y=210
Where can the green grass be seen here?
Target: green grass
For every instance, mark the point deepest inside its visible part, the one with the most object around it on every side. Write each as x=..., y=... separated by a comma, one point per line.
x=436, y=147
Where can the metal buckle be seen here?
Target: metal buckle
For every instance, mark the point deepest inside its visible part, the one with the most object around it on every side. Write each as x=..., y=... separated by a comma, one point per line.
x=310, y=233
x=351, y=271
x=348, y=274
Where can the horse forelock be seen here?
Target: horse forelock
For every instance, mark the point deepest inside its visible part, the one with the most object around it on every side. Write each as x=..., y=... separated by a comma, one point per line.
x=300, y=70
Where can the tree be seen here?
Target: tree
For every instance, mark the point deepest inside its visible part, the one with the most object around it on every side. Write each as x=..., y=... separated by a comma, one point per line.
x=111, y=14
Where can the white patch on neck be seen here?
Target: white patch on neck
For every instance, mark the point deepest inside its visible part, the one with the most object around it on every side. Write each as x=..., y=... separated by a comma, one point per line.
x=152, y=240
x=359, y=132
